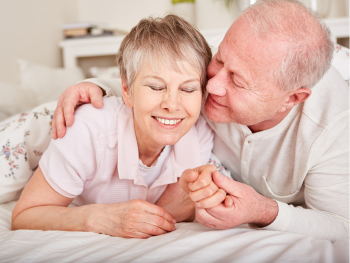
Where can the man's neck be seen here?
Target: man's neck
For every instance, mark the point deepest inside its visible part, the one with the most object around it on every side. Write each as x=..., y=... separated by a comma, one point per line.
x=268, y=124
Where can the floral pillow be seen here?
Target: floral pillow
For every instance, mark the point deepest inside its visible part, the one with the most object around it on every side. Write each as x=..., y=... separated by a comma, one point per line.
x=23, y=139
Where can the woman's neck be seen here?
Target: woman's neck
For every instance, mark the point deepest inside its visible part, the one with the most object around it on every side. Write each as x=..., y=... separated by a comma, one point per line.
x=149, y=150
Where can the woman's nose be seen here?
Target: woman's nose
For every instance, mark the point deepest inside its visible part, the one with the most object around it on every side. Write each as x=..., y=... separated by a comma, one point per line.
x=216, y=85
x=171, y=101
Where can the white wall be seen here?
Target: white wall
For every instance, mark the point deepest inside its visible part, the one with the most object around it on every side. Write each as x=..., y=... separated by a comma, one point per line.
x=32, y=30
x=212, y=14
x=121, y=14
x=338, y=8
x=125, y=14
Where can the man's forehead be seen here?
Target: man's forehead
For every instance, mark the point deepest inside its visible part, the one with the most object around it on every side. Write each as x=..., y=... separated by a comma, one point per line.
x=242, y=44
x=241, y=41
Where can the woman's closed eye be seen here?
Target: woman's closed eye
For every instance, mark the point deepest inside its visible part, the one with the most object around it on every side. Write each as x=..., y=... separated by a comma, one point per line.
x=189, y=90
x=156, y=88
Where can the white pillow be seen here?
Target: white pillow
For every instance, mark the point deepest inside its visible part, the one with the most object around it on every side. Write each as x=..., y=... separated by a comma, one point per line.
x=105, y=73
x=46, y=82
x=13, y=100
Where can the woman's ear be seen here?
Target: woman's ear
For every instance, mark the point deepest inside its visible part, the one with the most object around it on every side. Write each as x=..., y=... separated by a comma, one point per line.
x=126, y=95
x=295, y=98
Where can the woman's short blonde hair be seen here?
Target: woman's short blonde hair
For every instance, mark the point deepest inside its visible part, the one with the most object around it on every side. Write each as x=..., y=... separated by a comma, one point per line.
x=163, y=41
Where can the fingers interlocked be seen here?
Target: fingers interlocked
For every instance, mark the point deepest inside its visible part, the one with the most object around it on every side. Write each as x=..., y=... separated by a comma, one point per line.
x=201, y=188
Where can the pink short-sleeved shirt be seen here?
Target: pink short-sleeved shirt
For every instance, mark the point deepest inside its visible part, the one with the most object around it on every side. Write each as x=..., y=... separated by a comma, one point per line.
x=97, y=161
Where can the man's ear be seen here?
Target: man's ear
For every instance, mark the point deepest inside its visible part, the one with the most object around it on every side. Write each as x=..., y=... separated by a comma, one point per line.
x=295, y=98
x=126, y=95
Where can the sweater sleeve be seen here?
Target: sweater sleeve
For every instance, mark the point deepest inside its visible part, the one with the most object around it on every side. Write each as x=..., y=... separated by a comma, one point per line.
x=326, y=192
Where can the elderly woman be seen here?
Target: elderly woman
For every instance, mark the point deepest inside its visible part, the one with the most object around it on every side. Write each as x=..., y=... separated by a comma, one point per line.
x=120, y=165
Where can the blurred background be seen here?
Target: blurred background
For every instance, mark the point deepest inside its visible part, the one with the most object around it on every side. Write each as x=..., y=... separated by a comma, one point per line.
x=46, y=45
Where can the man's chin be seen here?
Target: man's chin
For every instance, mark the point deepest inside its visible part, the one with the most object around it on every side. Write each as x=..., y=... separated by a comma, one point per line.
x=214, y=115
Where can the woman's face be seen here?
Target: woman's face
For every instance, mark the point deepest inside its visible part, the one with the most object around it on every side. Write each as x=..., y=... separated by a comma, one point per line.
x=166, y=103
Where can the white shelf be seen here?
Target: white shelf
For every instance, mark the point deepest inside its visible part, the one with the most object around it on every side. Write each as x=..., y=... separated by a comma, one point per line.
x=339, y=27
x=109, y=45
x=88, y=47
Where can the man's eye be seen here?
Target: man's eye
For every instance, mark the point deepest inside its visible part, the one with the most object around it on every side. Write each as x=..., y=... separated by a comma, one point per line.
x=236, y=84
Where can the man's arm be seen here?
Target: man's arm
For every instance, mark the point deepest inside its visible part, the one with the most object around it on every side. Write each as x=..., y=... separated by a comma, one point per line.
x=326, y=191
x=87, y=91
x=223, y=203
x=326, y=195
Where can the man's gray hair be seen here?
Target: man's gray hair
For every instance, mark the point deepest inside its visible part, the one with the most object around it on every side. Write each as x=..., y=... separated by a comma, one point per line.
x=158, y=42
x=310, y=49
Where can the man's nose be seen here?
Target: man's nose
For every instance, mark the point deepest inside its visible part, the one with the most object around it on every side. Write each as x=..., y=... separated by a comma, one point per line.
x=216, y=85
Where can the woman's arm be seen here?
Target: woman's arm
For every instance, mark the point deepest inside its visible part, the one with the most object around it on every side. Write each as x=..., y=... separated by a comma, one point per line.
x=41, y=207
x=178, y=203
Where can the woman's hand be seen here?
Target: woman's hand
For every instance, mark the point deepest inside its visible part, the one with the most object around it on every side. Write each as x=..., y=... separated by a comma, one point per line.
x=134, y=218
x=83, y=92
x=177, y=202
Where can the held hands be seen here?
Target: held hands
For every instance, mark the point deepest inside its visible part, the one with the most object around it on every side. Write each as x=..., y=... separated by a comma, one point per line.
x=242, y=204
x=131, y=219
x=203, y=191
x=84, y=92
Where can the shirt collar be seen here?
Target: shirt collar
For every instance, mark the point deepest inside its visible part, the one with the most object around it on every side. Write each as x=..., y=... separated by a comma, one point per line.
x=258, y=135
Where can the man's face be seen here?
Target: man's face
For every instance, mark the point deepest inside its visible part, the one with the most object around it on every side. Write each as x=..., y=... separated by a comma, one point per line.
x=240, y=87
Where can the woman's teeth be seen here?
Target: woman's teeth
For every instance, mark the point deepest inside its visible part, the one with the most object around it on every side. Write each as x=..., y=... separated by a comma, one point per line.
x=168, y=122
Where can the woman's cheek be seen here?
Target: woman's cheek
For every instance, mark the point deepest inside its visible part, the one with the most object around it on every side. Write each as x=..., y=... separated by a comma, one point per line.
x=193, y=105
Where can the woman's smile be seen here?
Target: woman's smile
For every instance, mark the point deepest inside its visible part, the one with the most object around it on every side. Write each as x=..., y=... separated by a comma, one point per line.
x=168, y=122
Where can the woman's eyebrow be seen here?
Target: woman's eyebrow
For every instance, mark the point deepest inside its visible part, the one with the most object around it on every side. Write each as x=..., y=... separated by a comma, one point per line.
x=191, y=80
x=160, y=78
x=155, y=77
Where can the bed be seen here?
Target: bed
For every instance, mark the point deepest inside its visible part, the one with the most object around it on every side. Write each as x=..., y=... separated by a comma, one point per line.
x=191, y=242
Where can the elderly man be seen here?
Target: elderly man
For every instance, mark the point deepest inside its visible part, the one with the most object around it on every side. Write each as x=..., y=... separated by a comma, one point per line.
x=282, y=134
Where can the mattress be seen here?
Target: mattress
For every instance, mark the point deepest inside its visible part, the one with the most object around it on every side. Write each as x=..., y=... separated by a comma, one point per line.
x=190, y=242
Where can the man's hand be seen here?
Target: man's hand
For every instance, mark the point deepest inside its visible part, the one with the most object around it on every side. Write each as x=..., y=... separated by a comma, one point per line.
x=248, y=206
x=84, y=92
x=202, y=190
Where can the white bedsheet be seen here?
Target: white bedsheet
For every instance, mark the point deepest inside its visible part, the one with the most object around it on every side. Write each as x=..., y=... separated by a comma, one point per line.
x=191, y=242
